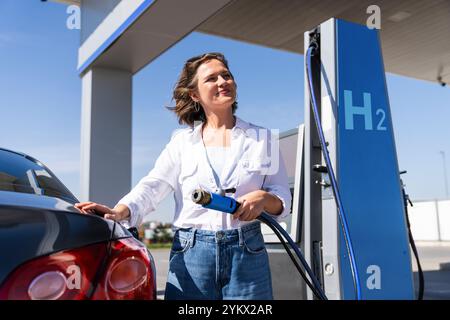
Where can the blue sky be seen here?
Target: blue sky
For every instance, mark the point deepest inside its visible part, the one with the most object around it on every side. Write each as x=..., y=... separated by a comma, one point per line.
x=40, y=99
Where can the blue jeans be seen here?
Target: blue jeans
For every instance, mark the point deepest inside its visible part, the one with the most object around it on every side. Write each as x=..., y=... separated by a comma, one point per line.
x=228, y=264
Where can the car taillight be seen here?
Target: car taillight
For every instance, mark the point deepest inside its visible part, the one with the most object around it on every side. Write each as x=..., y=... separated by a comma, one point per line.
x=126, y=273
x=75, y=267
x=48, y=286
x=130, y=273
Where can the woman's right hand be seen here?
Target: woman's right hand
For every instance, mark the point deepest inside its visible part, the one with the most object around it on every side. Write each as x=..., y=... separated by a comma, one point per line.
x=120, y=212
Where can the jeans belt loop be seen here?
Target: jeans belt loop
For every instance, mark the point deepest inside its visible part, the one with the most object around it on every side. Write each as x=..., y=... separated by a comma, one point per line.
x=192, y=239
x=241, y=237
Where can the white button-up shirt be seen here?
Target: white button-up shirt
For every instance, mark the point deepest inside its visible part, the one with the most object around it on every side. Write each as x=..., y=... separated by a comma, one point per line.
x=253, y=162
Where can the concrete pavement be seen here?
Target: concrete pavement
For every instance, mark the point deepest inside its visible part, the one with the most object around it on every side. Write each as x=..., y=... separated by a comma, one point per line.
x=434, y=258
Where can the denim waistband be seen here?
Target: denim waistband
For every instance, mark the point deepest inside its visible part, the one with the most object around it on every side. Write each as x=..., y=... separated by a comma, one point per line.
x=231, y=235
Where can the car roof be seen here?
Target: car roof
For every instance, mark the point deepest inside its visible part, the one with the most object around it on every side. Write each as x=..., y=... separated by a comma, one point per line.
x=23, y=155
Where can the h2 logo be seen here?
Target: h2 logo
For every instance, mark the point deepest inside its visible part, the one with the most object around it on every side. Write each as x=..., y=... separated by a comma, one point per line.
x=366, y=111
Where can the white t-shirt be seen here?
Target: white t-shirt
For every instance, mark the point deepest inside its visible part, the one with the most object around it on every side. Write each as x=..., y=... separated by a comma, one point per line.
x=217, y=157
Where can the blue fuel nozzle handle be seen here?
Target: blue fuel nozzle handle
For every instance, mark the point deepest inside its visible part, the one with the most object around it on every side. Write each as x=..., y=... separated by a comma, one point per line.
x=214, y=201
x=226, y=204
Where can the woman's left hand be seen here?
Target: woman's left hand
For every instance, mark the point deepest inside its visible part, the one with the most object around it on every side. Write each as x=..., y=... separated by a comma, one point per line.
x=252, y=205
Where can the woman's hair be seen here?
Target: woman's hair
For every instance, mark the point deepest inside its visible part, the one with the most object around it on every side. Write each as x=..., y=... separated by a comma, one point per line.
x=185, y=107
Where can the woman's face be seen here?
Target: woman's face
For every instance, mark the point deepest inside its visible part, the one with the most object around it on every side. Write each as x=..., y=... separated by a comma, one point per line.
x=216, y=89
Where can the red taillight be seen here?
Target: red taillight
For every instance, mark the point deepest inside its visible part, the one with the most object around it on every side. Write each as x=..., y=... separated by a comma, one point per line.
x=77, y=266
x=48, y=286
x=127, y=274
x=130, y=274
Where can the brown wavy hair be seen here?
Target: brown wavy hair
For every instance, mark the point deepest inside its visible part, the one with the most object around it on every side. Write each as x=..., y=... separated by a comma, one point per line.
x=187, y=82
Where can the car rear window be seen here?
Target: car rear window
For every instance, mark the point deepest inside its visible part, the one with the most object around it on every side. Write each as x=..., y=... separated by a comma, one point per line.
x=20, y=174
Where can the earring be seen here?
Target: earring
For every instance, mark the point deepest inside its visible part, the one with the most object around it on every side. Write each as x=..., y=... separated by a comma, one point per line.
x=196, y=107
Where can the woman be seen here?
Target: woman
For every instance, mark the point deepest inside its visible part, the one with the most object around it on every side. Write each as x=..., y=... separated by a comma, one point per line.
x=214, y=255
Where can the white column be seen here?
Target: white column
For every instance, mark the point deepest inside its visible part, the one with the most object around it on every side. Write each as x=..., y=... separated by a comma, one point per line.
x=105, y=135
